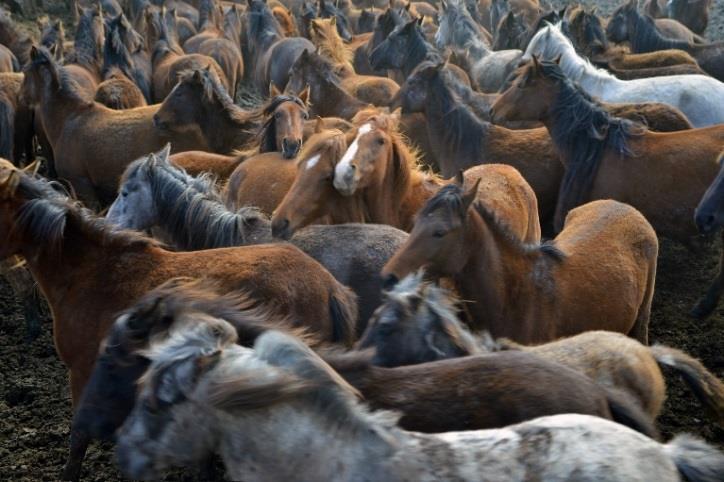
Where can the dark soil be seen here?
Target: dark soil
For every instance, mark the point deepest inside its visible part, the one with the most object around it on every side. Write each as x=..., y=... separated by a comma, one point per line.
x=35, y=403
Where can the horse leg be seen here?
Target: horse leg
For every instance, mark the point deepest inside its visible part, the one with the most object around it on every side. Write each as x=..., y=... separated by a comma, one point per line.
x=640, y=328
x=79, y=441
x=709, y=302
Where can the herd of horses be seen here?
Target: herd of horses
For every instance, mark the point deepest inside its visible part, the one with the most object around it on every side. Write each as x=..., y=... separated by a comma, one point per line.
x=285, y=233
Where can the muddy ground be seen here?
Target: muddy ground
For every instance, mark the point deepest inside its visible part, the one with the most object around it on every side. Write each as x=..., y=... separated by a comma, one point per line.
x=35, y=404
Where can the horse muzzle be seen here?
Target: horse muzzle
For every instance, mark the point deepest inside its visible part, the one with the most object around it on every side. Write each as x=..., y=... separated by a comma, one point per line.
x=281, y=229
x=290, y=148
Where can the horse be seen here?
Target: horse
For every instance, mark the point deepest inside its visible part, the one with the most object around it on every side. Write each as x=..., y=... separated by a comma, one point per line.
x=169, y=61
x=92, y=151
x=597, y=149
x=192, y=216
x=178, y=304
x=403, y=49
x=699, y=97
x=224, y=396
x=118, y=90
x=631, y=74
x=511, y=33
x=264, y=179
x=16, y=121
x=87, y=60
x=620, y=58
x=418, y=323
x=628, y=24
x=606, y=249
x=460, y=139
x=694, y=14
x=271, y=54
x=16, y=40
x=200, y=103
x=327, y=96
x=459, y=32
x=329, y=10
x=52, y=36
x=69, y=249
x=325, y=37
x=141, y=67
x=709, y=219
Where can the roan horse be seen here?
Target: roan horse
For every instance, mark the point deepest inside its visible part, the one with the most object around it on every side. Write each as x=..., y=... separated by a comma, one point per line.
x=609, y=158
x=699, y=97
x=533, y=292
x=418, y=323
x=224, y=396
x=416, y=392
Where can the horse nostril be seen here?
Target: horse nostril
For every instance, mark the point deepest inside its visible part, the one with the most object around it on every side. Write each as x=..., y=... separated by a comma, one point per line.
x=390, y=281
x=280, y=228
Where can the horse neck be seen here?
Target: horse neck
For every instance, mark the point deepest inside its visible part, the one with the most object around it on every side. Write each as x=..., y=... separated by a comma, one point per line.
x=593, y=80
x=646, y=38
x=450, y=123
x=223, y=132
x=418, y=51
x=493, y=266
x=329, y=93
x=87, y=54
x=385, y=199
x=354, y=444
x=56, y=106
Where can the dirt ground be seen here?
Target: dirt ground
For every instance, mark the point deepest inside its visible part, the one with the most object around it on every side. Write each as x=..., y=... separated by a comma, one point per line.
x=35, y=404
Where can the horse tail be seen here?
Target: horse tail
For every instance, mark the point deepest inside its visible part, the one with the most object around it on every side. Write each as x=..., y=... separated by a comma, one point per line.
x=7, y=129
x=695, y=460
x=627, y=412
x=343, y=314
x=706, y=387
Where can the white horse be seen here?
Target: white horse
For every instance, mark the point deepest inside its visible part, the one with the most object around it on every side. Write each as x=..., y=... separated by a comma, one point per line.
x=278, y=412
x=489, y=69
x=699, y=97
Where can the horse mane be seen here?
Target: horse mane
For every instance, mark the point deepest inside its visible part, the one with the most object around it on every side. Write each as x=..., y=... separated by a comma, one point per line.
x=645, y=37
x=327, y=39
x=191, y=208
x=116, y=54
x=215, y=92
x=46, y=214
x=67, y=86
x=261, y=22
x=464, y=130
x=86, y=51
x=420, y=48
x=584, y=131
x=466, y=30
x=264, y=116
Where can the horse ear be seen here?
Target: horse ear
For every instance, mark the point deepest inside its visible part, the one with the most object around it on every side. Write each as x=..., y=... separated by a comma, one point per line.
x=33, y=52
x=557, y=60
x=304, y=94
x=419, y=20
x=197, y=75
x=395, y=116
x=333, y=21
x=33, y=167
x=164, y=152
x=319, y=125
x=273, y=91
x=470, y=195
x=460, y=178
x=9, y=184
x=535, y=62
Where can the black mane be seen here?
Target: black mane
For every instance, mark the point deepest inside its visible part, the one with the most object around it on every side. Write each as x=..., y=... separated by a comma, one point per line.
x=267, y=131
x=584, y=131
x=645, y=37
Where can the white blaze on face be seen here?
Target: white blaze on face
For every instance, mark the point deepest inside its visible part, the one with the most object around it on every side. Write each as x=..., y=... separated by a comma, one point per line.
x=312, y=161
x=344, y=165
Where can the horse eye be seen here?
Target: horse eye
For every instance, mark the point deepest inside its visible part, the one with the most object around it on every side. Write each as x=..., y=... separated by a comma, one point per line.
x=439, y=233
x=305, y=116
x=277, y=115
x=124, y=193
x=381, y=141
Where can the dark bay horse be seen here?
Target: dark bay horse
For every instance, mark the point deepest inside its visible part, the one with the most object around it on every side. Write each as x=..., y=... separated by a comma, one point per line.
x=537, y=292
x=118, y=89
x=271, y=54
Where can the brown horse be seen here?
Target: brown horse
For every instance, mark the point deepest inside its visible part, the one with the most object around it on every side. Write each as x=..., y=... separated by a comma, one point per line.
x=619, y=58
x=199, y=103
x=532, y=292
x=93, y=149
x=76, y=258
x=381, y=170
x=169, y=61
x=264, y=179
x=681, y=69
x=418, y=323
x=610, y=158
x=15, y=39
x=86, y=62
x=16, y=121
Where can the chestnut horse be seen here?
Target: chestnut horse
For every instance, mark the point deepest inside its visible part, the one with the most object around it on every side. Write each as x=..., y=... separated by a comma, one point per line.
x=533, y=292
x=610, y=158
x=200, y=103
x=92, y=144
x=88, y=272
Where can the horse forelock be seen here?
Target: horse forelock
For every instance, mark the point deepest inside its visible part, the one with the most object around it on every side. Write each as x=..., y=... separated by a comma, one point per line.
x=448, y=198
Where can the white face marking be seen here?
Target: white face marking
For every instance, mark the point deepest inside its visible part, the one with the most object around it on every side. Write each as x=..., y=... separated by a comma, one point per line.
x=343, y=166
x=312, y=161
